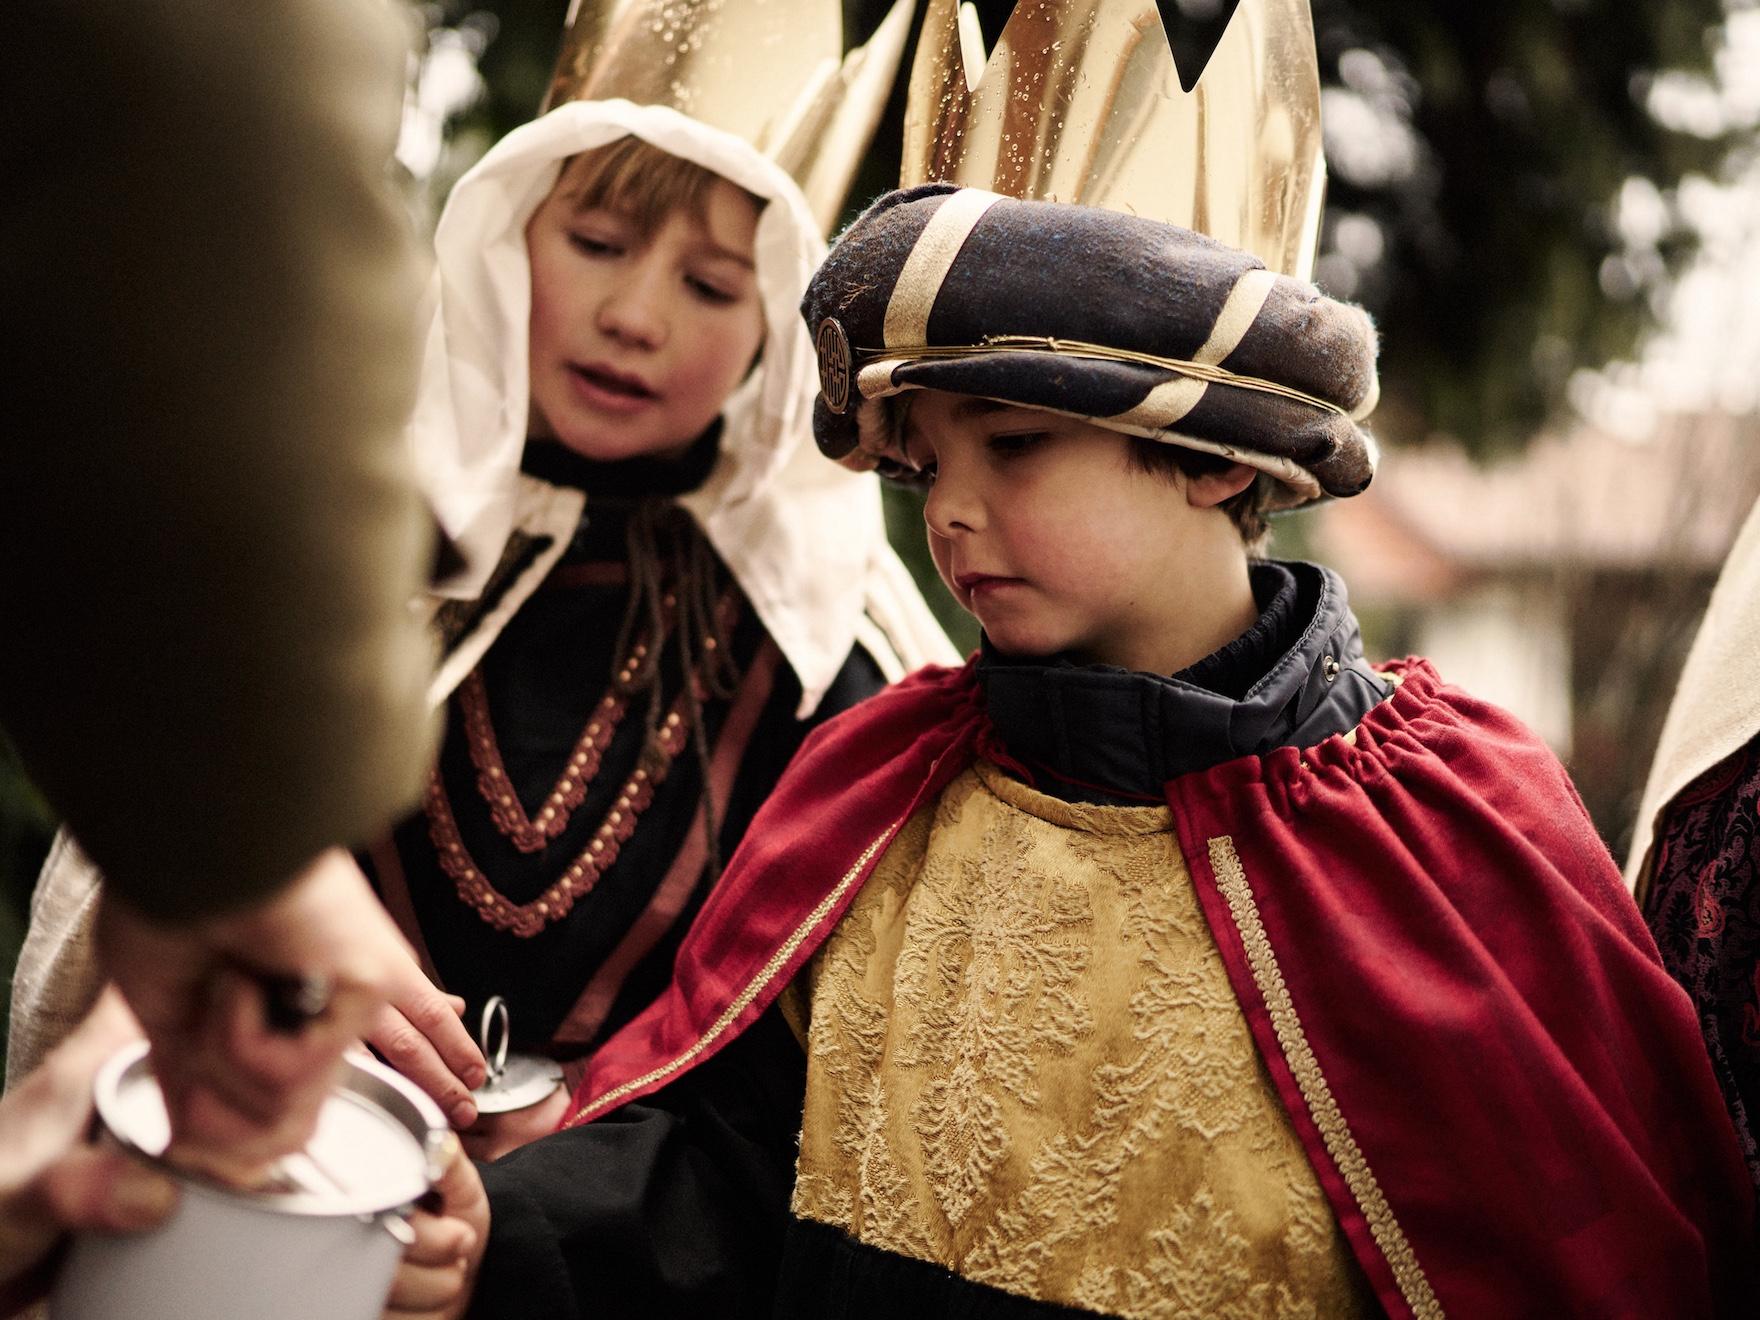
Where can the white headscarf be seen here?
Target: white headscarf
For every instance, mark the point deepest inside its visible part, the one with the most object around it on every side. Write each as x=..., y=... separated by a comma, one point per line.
x=801, y=535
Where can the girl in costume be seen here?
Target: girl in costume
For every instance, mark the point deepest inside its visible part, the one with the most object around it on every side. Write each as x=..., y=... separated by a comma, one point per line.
x=681, y=591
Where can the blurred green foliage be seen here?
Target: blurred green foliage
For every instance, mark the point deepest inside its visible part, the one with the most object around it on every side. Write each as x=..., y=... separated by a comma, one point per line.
x=1494, y=285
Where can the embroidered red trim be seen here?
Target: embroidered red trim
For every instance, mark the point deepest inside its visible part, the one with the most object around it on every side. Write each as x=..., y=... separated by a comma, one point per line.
x=588, y=1014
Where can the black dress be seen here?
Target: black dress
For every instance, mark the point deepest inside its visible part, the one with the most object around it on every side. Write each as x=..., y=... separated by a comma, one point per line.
x=602, y=945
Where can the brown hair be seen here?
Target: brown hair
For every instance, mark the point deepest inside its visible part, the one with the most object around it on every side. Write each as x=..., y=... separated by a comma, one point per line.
x=639, y=181
x=1245, y=510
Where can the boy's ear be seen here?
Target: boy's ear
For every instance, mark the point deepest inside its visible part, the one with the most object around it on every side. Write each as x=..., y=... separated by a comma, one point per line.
x=1209, y=489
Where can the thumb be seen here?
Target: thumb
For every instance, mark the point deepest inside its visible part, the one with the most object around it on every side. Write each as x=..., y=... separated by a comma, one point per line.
x=458, y=1187
x=107, y=1191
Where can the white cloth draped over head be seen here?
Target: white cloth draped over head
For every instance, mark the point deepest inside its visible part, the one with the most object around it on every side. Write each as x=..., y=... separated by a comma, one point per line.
x=801, y=536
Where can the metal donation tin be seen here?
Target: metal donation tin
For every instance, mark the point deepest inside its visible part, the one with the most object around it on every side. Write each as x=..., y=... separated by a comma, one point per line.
x=515, y=1081
x=323, y=1239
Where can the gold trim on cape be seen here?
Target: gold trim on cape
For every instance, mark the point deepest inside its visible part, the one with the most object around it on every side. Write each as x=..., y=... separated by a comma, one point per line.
x=1408, y=1274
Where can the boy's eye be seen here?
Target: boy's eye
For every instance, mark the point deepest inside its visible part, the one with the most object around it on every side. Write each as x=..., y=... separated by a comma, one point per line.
x=1015, y=442
x=904, y=474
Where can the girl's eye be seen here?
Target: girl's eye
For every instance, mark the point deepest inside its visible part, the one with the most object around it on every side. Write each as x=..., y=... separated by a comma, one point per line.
x=593, y=247
x=709, y=292
x=1015, y=442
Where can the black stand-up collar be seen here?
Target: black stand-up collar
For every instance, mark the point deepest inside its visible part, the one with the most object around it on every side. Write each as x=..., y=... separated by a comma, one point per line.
x=1095, y=733
x=615, y=488
x=627, y=478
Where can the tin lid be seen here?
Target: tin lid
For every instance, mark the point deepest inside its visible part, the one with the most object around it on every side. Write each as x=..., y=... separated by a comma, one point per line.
x=376, y=1147
x=515, y=1081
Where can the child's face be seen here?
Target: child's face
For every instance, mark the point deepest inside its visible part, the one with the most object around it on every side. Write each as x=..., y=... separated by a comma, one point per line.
x=1043, y=529
x=638, y=337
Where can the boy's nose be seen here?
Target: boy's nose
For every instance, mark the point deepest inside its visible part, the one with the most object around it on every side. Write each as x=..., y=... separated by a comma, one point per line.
x=952, y=507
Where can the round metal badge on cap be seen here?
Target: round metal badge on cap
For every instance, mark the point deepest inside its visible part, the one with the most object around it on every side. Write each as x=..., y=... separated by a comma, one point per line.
x=516, y=1081
x=832, y=346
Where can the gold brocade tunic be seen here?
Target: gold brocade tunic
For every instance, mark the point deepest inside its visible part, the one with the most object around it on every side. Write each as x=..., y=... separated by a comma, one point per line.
x=1027, y=1065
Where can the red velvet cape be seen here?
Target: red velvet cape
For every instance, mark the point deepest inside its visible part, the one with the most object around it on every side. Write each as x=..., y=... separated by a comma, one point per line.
x=1503, y=1093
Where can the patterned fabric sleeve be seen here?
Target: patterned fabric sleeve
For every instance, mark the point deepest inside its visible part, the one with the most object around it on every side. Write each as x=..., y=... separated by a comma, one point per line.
x=1704, y=910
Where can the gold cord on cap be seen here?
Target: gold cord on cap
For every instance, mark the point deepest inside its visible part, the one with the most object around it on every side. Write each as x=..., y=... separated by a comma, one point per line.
x=769, y=71
x=1081, y=102
x=1207, y=372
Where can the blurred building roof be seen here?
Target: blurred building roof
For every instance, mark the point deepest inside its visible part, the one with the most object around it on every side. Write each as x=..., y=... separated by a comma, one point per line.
x=1435, y=519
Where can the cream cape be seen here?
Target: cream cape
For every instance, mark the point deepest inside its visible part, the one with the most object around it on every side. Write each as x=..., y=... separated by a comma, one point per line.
x=804, y=538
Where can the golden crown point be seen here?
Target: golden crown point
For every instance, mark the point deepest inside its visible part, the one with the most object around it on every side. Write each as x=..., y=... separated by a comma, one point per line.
x=770, y=71
x=1081, y=102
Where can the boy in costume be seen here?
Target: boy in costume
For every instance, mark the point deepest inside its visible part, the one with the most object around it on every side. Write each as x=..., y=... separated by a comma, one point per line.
x=1166, y=959
x=663, y=587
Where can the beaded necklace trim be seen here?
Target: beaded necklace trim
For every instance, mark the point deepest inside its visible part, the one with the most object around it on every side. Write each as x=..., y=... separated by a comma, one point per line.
x=579, y=878
x=581, y=875
x=533, y=833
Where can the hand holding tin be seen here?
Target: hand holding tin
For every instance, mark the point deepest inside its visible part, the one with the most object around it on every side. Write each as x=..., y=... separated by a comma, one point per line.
x=249, y=1014
x=51, y=1179
x=450, y=1231
x=380, y=1145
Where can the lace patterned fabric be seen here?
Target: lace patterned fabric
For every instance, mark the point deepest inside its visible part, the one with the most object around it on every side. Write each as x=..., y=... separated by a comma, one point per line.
x=1704, y=910
x=1027, y=1065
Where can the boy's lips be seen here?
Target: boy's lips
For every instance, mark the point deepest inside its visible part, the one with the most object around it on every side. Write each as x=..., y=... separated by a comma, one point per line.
x=973, y=583
x=603, y=386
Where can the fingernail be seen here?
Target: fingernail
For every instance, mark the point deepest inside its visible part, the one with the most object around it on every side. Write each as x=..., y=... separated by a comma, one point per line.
x=463, y=1114
x=474, y=1076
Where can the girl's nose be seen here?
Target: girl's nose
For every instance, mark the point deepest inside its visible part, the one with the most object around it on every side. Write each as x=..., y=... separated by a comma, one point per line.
x=633, y=311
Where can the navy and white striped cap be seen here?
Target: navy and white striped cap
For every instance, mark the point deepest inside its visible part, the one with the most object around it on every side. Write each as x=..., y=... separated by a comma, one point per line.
x=1134, y=325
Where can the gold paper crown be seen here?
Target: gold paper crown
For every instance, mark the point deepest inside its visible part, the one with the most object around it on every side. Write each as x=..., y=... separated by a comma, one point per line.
x=1081, y=102
x=769, y=71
